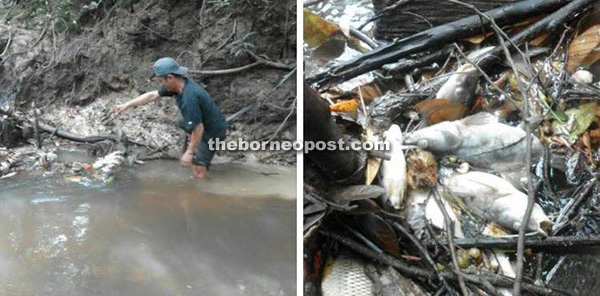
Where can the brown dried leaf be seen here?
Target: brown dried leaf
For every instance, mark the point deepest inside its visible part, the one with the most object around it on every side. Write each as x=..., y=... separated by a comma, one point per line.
x=584, y=49
x=369, y=92
x=373, y=165
x=380, y=233
x=438, y=110
x=539, y=40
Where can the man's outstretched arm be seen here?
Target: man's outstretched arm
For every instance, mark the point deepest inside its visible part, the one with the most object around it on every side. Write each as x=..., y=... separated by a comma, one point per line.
x=195, y=137
x=141, y=100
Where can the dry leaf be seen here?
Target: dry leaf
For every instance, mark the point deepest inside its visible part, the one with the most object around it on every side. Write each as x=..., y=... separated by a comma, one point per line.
x=584, y=49
x=317, y=30
x=345, y=106
x=595, y=136
x=587, y=143
x=539, y=40
x=438, y=110
x=369, y=92
x=373, y=165
x=479, y=38
x=379, y=232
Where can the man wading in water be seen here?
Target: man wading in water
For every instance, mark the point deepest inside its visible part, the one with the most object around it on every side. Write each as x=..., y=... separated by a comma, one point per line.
x=202, y=120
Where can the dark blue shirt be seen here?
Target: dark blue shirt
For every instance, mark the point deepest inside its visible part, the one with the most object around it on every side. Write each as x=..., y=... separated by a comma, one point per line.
x=196, y=107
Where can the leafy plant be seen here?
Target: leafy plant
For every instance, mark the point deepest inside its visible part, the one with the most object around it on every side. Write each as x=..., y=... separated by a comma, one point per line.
x=241, y=46
x=219, y=4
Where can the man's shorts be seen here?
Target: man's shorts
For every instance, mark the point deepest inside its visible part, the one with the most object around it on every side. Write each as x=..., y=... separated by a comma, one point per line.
x=203, y=155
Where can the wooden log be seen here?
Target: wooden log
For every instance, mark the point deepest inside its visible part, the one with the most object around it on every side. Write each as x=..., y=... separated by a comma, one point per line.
x=410, y=18
x=530, y=242
x=341, y=166
x=433, y=39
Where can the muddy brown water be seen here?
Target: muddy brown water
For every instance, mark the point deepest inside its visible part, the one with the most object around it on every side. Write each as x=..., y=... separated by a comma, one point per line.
x=154, y=231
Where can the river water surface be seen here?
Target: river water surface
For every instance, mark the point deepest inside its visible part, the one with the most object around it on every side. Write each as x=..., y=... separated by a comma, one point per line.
x=154, y=231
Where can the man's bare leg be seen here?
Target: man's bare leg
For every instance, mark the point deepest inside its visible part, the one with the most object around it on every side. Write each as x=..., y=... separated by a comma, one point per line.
x=200, y=172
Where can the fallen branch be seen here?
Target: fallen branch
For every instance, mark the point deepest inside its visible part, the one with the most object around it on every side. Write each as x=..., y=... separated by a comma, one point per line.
x=226, y=71
x=569, y=210
x=341, y=165
x=450, y=237
x=423, y=252
x=530, y=242
x=413, y=271
x=433, y=38
x=260, y=62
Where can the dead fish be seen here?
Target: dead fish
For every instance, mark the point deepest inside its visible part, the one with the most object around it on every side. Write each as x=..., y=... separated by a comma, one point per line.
x=421, y=209
x=394, y=170
x=109, y=162
x=346, y=277
x=478, y=139
x=495, y=199
x=461, y=86
x=349, y=276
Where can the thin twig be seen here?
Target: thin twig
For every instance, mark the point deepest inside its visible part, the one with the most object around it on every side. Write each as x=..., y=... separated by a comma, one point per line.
x=9, y=40
x=485, y=76
x=384, y=12
x=423, y=252
x=530, y=188
x=533, y=242
x=284, y=121
x=450, y=237
x=413, y=271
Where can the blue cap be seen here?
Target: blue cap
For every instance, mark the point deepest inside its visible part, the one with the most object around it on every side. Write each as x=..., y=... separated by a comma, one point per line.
x=165, y=66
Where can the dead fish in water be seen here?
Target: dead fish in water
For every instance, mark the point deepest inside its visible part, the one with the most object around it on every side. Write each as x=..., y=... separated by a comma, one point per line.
x=495, y=199
x=108, y=164
x=394, y=170
x=461, y=86
x=478, y=139
x=421, y=209
x=346, y=276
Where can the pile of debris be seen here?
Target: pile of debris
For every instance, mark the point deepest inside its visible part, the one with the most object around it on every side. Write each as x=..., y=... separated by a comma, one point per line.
x=493, y=133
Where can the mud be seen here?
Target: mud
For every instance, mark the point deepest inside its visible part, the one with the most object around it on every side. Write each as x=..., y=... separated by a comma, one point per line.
x=76, y=66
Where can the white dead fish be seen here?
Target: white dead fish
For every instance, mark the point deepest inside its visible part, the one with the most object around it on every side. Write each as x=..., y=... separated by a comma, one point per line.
x=461, y=86
x=347, y=277
x=501, y=262
x=394, y=170
x=495, y=199
x=478, y=139
x=421, y=208
x=9, y=175
x=109, y=162
x=4, y=167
